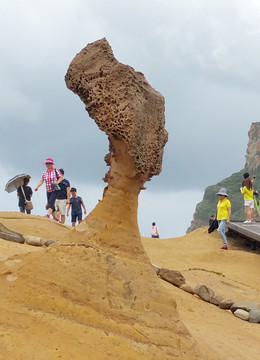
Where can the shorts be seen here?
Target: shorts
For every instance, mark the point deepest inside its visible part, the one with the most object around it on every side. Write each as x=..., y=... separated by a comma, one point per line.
x=75, y=216
x=249, y=203
x=60, y=205
x=51, y=197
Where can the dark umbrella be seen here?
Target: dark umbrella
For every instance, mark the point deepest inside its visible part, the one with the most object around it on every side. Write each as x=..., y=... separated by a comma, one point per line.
x=17, y=181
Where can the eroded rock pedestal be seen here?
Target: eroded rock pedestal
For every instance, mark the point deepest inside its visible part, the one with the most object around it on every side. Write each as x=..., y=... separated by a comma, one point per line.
x=96, y=290
x=131, y=113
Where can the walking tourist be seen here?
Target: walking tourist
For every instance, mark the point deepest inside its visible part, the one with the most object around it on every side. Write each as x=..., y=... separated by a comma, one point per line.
x=62, y=199
x=248, y=192
x=52, y=178
x=76, y=204
x=223, y=215
x=24, y=194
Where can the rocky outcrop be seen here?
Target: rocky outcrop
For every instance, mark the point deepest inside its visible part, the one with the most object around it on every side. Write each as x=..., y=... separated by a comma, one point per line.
x=253, y=147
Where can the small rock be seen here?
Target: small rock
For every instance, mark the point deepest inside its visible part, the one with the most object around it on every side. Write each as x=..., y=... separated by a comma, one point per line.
x=242, y=314
x=216, y=299
x=172, y=276
x=33, y=240
x=11, y=277
x=156, y=268
x=254, y=316
x=226, y=304
x=204, y=292
x=245, y=305
x=49, y=242
x=187, y=288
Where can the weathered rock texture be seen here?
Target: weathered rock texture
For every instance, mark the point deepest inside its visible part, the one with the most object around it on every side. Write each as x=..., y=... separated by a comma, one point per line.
x=131, y=113
x=123, y=104
x=253, y=147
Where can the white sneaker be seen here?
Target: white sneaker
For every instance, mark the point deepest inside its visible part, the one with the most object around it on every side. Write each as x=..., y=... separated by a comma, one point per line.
x=247, y=222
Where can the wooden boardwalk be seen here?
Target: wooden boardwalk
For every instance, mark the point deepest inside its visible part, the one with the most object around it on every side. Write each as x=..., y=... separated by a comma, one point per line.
x=249, y=231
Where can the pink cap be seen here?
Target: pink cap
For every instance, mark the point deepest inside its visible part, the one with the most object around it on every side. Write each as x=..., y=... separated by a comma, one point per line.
x=48, y=160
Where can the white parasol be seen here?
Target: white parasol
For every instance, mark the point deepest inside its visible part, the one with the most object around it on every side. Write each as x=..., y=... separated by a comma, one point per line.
x=17, y=181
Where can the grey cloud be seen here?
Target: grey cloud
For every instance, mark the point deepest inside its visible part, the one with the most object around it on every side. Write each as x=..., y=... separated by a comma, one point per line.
x=202, y=58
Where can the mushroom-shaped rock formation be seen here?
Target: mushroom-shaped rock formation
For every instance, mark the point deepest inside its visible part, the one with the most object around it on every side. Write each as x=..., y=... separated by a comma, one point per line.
x=131, y=113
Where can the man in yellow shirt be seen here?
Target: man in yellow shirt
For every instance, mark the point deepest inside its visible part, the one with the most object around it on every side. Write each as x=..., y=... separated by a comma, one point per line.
x=223, y=215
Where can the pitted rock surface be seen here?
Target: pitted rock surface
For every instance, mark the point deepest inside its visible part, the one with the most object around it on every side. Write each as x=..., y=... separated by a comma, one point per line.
x=122, y=103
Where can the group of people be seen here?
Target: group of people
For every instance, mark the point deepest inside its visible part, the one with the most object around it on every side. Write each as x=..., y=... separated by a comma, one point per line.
x=224, y=207
x=60, y=196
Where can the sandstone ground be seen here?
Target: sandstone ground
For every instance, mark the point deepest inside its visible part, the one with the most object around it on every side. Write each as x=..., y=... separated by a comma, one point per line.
x=27, y=331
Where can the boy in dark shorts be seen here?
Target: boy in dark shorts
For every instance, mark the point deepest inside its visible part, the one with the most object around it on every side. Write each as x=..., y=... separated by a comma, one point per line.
x=76, y=211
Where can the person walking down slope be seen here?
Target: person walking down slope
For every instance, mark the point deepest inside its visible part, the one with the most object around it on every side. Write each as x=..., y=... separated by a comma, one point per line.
x=248, y=192
x=27, y=191
x=154, y=231
x=76, y=211
x=62, y=199
x=52, y=177
x=223, y=215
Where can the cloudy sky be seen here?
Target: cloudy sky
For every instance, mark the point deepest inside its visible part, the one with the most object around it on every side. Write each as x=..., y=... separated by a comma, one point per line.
x=204, y=58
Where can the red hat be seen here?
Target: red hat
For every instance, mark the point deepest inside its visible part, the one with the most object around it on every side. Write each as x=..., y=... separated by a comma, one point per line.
x=48, y=160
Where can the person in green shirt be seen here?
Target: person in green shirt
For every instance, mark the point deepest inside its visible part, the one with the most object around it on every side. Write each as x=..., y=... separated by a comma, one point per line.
x=223, y=215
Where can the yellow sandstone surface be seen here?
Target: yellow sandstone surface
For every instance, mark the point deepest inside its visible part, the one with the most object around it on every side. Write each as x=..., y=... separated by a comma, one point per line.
x=81, y=299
